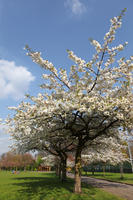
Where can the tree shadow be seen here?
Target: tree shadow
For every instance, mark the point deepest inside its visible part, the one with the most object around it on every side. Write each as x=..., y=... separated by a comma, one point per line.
x=49, y=187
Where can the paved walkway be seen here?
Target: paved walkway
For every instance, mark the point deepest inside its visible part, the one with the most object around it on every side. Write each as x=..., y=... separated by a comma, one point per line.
x=118, y=189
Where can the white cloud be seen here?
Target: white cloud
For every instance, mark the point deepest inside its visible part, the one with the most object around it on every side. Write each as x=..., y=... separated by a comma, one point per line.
x=14, y=80
x=5, y=139
x=76, y=6
x=5, y=142
x=3, y=129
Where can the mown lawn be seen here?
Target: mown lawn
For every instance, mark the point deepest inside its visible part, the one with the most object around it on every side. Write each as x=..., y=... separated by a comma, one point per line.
x=44, y=186
x=127, y=178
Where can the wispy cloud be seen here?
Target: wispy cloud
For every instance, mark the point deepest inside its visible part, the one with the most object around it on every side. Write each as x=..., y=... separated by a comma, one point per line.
x=14, y=80
x=3, y=129
x=5, y=142
x=75, y=6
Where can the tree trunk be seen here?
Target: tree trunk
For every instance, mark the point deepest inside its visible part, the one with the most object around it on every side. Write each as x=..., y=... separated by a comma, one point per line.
x=63, y=178
x=103, y=170
x=121, y=171
x=77, y=186
x=93, y=170
x=60, y=170
x=130, y=155
x=57, y=169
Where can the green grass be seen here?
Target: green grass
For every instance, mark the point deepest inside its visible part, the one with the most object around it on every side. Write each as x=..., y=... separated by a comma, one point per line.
x=45, y=186
x=128, y=178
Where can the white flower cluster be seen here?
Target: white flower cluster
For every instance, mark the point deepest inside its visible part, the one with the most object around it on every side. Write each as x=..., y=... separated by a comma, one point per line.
x=111, y=152
x=94, y=100
x=77, y=60
x=97, y=45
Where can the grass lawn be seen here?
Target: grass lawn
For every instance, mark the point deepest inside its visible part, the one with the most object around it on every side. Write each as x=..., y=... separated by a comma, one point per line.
x=44, y=186
x=128, y=178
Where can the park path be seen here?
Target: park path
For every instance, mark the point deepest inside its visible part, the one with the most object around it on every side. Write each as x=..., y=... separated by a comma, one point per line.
x=119, y=189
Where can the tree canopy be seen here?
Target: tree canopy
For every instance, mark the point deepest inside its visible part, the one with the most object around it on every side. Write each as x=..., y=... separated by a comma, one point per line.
x=82, y=108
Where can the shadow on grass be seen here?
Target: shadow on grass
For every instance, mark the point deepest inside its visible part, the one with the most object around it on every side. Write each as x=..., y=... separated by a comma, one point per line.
x=48, y=186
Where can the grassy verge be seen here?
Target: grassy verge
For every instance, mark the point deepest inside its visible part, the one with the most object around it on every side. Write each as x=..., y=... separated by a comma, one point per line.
x=128, y=178
x=45, y=186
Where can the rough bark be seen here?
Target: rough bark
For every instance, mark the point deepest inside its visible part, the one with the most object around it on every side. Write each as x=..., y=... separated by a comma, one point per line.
x=63, y=178
x=93, y=170
x=57, y=169
x=77, y=186
x=60, y=171
x=121, y=171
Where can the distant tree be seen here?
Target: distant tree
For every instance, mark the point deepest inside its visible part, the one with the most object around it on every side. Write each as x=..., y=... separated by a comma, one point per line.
x=27, y=160
x=10, y=160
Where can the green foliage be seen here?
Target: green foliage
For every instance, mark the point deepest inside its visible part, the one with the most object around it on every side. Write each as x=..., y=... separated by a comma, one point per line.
x=38, y=162
x=45, y=186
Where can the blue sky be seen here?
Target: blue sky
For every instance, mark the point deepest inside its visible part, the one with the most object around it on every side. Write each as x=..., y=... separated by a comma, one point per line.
x=50, y=26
